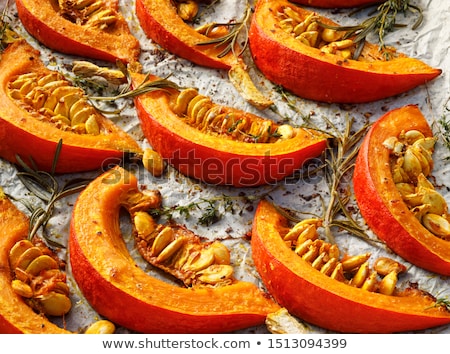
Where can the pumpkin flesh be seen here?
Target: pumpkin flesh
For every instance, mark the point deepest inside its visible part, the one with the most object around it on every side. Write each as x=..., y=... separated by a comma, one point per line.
x=161, y=23
x=118, y=289
x=15, y=315
x=43, y=20
x=216, y=160
x=380, y=202
x=312, y=74
x=322, y=301
x=29, y=136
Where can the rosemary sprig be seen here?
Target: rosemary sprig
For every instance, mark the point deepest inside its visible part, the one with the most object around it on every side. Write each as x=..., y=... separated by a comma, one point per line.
x=238, y=30
x=145, y=87
x=45, y=187
x=339, y=161
x=385, y=20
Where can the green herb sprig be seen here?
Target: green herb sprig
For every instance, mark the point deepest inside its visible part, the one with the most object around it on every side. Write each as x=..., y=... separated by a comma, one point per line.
x=44, y=186
x=338, y=163
x=444, y=129
x=384, y=21
x=7, y=34
x=144, y=87
x=213, y=209
x=238, y=30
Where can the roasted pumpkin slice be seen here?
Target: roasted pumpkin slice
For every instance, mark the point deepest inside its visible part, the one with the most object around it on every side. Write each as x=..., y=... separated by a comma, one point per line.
x=16, y=314
x=395, y=197
x=338, y=4
x=220, y=144
x=316, y=63
x=162, y=22
x=92, y=29
x=310, y=278
x=39, y=107
x=119, y=289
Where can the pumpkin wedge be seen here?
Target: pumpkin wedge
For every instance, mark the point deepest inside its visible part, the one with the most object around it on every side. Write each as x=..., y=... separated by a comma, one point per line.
x=322, y=300
x=89, y=29
x=119, y=289
x=16, y=316
x=39, y=107
x=161, y=22
x=382, y=203
x=317, y=64
x=220, y=144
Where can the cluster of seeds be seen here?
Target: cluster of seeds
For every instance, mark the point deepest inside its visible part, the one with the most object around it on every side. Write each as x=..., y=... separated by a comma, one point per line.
x=355, y=271
x=39, y=278
x=181, y=253
x=200, y=112
x=89, y=13
x=309, y=31
x=411, y=164
x=52, y=98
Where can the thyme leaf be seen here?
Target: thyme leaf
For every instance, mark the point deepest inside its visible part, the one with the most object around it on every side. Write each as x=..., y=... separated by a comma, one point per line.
x=442, y=302
x=213, y=209
x=444, y=130
x=228, y=42
x=7, y=34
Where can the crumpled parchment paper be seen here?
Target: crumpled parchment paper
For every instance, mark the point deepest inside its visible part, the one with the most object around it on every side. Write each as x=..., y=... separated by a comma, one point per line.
x=428, y=43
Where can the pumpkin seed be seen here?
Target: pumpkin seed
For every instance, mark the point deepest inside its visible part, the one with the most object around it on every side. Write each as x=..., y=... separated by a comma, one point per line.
x=21, y=288
x=54, y=304
x=101, y=327
x=43, y=262
x=215, y=273
x=388, y=283
x=384, y=266
x=17, y=250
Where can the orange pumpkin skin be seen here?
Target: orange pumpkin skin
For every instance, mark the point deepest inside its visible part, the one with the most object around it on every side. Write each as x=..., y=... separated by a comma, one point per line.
x=218, y=160
x=161, y=23
x=322, y=301
x=42, y=20
x=117, y=288
x=15, y=315
x=331, y=4
x=312, y=74
x=24, y=135
x=380, y=202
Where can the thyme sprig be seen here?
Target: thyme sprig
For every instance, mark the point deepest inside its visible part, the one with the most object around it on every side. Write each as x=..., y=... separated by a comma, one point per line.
x=229, y=41
x=442, y=302
x=213, y=209
x=7, y=34
x=45, y=186
x=444, y=129
x=384, y=21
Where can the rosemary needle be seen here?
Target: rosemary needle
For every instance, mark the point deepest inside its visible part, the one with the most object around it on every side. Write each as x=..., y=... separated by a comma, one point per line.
x=44, y=186
x=228, y=41
x=385, y=20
